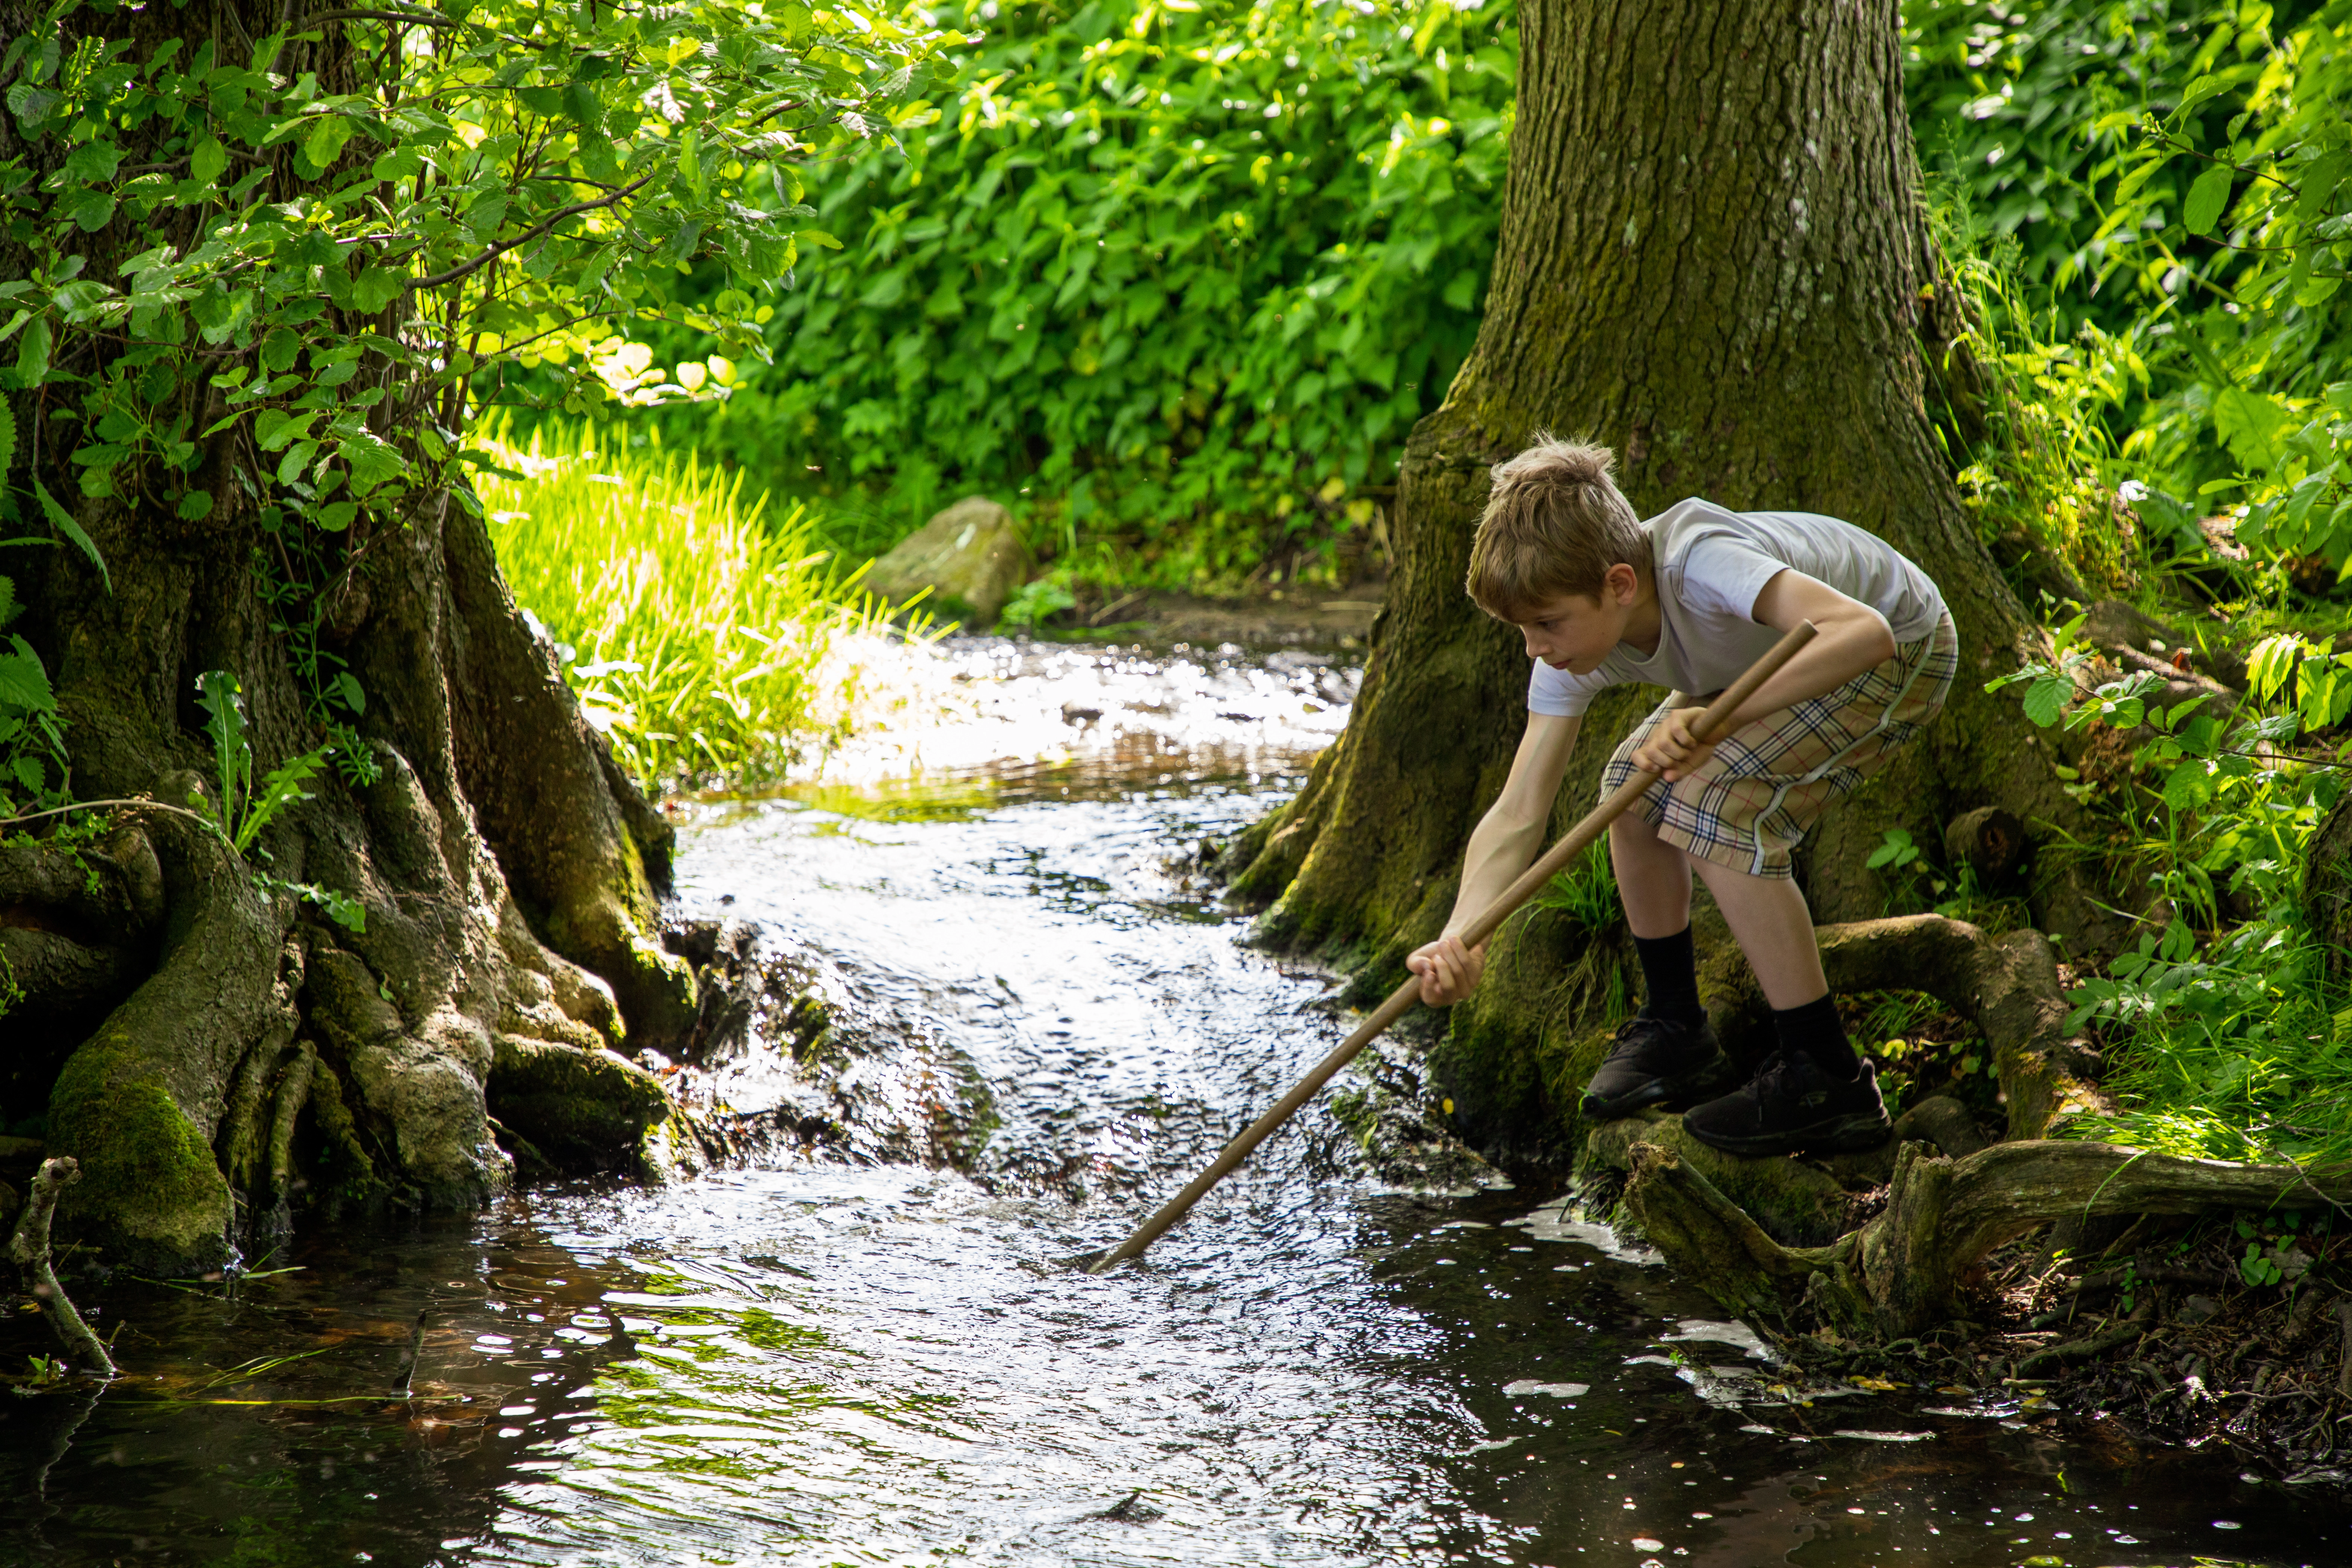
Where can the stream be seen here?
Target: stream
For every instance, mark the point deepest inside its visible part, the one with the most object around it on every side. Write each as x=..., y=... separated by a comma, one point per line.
x=840, y=1355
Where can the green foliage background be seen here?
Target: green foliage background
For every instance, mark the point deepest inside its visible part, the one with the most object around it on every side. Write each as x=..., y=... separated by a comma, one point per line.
x=1171, y=279
x=1174, y=281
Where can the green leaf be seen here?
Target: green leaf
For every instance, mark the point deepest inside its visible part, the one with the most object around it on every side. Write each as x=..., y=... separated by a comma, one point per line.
x=33, y=353
x=586, y=109
x=7, y=437
x=63, y=521
x=32, y=104
x=195, y=505
x=2317, y=185
x=2250, y=425
x=2207, y=197
x=2203, y=87
x=2046, y=699
x=324, y=144
x=275, y=428
x=297, y=458
x=93, y=162
x=374, y=288
x=217, y=694
x=208, y=162
x=24, y=684
x=2128, y=186
x=281, y=789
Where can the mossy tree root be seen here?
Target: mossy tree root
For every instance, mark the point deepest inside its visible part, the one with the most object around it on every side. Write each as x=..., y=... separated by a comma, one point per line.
x=508, y=873
x=139, y=1104
x=2006, y=985
x=1905, y=1270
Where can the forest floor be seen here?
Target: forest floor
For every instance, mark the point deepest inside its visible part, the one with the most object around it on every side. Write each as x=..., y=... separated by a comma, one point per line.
x=2160, y=1339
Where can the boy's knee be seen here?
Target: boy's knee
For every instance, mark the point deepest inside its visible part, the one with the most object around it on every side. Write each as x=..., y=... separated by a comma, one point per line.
x=1631, y=828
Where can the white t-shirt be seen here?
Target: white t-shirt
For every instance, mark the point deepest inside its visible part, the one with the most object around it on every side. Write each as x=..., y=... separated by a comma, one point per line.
x=1709, y=565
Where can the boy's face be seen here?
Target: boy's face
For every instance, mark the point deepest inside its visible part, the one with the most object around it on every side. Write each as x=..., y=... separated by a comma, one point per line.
x=1576, y=631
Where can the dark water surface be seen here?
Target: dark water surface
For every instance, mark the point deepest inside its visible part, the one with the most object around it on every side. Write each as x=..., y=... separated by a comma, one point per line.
x=822, y=1364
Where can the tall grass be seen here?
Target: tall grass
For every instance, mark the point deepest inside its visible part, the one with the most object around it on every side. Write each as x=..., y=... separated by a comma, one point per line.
x=700, y=634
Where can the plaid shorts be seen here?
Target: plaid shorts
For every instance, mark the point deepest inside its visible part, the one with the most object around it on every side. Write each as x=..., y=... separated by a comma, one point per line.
x=1747, y=806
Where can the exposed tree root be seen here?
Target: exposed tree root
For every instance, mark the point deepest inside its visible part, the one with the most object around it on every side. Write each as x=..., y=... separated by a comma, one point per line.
x=1903, y=1271
x=2006, y=986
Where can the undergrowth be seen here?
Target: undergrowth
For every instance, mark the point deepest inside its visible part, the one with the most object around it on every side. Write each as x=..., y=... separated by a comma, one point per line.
x=701, y=634
x=2152, y=402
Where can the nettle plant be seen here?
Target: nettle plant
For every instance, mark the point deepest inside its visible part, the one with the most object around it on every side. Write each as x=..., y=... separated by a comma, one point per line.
x=271, y=256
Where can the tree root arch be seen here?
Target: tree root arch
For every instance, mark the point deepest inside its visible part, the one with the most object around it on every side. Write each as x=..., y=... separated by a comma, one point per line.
x=1905, y=1271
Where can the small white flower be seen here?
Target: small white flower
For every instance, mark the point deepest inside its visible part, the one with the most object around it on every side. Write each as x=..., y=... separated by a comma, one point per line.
x=2131, y=492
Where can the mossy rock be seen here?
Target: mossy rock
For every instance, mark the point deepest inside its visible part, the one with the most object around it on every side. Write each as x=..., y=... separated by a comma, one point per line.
x=969, y=556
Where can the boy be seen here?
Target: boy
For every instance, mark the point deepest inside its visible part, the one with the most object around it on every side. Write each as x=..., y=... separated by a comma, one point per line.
x=1689, y=600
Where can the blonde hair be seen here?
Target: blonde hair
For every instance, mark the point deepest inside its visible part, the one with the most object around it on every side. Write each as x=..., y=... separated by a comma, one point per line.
x=1554, y=524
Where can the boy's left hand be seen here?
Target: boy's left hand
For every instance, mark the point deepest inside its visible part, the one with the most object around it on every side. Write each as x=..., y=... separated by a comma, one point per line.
x=1672, y=749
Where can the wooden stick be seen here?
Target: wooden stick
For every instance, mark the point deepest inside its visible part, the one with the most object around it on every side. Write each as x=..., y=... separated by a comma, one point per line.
x=1402, y=999
x=30, y=1250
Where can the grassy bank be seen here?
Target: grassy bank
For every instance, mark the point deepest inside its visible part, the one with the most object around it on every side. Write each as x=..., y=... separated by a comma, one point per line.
x=705, y=637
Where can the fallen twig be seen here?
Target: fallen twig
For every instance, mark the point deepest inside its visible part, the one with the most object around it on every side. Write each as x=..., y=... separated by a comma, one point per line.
x=30, y=1250
x=2084, y=1348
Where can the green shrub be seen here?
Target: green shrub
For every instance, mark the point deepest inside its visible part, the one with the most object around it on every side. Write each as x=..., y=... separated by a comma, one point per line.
x=1181, y=276
x=2222, y=1040
x=2147, y=206
x=699, y=634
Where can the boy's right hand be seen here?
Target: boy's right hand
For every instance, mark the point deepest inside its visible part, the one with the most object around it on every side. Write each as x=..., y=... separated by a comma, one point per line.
x=1449, y=972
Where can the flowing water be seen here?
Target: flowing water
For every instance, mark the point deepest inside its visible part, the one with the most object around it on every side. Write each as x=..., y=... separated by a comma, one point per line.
x=824, y=1361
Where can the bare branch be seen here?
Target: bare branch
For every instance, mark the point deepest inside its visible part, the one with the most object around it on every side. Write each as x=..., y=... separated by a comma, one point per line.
x=30, y=1250
x=468, y=268
x=411, y=18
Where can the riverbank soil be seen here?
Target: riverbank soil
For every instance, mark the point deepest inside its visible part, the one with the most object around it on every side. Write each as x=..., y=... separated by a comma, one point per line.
x=1713, y=257
x=1336, y=618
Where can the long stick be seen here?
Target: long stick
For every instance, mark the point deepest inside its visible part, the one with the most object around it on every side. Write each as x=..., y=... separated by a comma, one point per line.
x=1402, y=999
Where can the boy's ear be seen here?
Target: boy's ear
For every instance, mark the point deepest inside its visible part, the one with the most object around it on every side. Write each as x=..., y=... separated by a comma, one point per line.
x=1625, y=583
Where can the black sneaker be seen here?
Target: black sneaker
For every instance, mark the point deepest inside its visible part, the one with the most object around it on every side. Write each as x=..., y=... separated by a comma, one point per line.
x=1653, y=1061
x=1793, y=1106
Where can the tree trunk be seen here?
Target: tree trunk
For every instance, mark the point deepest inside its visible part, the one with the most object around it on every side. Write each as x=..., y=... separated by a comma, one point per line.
x=1713, y=257
x=210, y=1048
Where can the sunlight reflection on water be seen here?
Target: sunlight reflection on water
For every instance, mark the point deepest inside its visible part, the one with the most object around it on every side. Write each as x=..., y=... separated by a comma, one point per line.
x=822, y=1362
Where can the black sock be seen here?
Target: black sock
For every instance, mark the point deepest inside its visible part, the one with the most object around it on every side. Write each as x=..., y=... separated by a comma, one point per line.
x=1670, y=977
x=1816, y=1031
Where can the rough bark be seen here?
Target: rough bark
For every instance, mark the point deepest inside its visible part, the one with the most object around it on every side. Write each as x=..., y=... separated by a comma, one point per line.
x=1905, y=1269
x=2327, y=886
x=1712, y=257
x=213, y=1053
